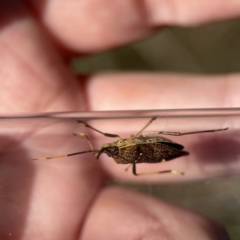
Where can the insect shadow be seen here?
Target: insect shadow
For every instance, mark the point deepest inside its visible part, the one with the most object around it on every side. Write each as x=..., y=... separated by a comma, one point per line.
x=139, y=148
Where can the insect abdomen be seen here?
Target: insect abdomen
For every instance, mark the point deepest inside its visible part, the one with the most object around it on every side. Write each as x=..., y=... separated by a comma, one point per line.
x=149, y=153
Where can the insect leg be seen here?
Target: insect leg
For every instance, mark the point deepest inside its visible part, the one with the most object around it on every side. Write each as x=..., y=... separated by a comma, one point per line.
x=153, y=173
x=149, y=122
x=105, y=134
x=62, y=156
x=184, y=133
x=96, y=153
x=86, y=136
x=129, y=165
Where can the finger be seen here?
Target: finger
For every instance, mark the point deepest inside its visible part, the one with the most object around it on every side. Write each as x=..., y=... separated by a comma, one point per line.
x=34, y=77
x=120, y=214
x=210, y=154
x=47, y=199
x=87, y=26
x=61, y=196
x=164, y=91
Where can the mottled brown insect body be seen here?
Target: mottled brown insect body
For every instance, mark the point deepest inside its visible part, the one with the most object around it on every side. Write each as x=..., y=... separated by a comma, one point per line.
x=143, y=149
x=139, y=148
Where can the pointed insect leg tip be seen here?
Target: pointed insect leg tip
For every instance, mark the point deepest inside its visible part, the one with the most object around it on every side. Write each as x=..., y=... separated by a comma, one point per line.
x=176, y=172
x=39, y=159
x=226, y=128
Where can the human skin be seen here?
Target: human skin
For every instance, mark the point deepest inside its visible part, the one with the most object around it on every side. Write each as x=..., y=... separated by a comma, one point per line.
x=59, y=200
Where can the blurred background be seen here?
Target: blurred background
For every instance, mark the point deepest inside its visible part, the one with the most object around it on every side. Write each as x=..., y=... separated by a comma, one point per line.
x=213, y=48
x=209, y=49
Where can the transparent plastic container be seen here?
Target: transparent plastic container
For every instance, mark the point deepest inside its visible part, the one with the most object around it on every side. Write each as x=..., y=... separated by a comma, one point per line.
x=210, y=184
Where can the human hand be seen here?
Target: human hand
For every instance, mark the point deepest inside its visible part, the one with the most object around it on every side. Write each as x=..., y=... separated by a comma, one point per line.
x=70, y=202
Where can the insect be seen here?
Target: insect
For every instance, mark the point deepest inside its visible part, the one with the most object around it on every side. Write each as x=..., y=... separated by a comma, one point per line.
x=139, y=148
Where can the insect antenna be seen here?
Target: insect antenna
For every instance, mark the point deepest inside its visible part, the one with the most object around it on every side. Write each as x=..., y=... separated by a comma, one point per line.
x=66, y=155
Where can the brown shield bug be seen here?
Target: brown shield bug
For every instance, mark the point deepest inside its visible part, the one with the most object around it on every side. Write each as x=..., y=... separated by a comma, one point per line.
x=139, y=148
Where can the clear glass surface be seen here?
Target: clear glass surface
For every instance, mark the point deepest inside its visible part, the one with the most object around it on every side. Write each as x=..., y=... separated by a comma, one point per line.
x=210, y=184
